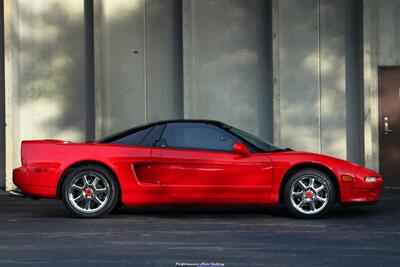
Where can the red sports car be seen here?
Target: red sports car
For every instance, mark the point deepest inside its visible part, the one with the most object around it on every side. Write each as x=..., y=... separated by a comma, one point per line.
x=189, y=162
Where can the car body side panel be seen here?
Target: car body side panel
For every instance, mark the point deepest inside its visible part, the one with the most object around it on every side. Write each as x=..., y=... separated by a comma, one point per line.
x=39, y=159
x=198, y=174
x=44, y=162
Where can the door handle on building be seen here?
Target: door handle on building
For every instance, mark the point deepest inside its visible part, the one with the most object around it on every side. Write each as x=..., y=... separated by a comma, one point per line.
x=386, y=129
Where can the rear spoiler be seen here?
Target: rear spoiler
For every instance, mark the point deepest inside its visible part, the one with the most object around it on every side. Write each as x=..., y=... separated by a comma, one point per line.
x=49, y=141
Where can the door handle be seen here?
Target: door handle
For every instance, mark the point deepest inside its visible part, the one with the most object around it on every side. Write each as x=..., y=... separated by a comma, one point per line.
x=386, y=129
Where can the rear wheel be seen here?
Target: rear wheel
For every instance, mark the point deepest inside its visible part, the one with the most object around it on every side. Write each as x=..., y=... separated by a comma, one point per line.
x=309, y=193
x=90, y=191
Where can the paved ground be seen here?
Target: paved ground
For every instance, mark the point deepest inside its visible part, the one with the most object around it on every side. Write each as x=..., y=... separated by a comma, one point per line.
x=43, y=233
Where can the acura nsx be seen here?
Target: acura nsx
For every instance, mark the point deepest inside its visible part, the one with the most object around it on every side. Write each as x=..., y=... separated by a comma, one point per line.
x=189, y=162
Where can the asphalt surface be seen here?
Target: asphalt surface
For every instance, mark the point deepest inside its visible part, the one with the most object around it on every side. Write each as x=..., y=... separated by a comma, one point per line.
x=43, y=233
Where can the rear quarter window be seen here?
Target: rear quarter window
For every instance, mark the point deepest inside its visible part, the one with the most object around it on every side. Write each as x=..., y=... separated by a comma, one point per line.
x=132, y=138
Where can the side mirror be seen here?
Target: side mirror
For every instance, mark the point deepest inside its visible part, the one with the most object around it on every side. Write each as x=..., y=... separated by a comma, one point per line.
x=241, y=149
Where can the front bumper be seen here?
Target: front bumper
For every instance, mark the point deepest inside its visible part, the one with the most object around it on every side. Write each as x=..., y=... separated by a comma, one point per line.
x=360, y=195
x=360, y=191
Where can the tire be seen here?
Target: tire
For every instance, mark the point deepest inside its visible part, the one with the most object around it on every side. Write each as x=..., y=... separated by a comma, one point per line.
x=309, y=194
x=90, y=191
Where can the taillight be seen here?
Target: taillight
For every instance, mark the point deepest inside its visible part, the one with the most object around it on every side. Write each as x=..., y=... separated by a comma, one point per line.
x=22, y=153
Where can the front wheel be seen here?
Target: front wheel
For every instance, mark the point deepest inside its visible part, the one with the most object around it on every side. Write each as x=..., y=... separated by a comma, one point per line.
x=309, y=193
x=90, y=191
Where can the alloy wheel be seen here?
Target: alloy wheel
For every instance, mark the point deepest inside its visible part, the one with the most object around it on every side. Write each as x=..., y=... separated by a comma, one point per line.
x=89, y=192
x=309, y=194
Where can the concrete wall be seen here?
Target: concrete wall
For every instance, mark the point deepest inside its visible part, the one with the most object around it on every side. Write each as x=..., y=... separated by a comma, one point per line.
x=227, y=77
x=381, y=43
x=309, y=76
x=333, y=78
x=2, y=103
x=45, y=74
x=120, y=65
x=354, y=80
x=300, y=72
x=138, y=79
x=296, y=75
x=164, y=74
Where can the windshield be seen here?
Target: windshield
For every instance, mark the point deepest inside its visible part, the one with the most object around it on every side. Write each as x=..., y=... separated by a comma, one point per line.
x=262, y=145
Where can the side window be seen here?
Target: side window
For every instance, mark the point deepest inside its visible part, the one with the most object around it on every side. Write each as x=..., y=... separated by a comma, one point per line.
x=153, y=136
x=132, y=138
x=198, y=136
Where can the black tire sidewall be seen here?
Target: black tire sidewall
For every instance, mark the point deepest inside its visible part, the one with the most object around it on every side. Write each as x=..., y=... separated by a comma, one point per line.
x=93, y=169
x=329, y=183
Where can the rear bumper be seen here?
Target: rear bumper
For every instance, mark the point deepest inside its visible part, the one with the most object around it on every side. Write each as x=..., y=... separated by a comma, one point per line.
x=39, y=191
x=20, y=176
x=21, y=180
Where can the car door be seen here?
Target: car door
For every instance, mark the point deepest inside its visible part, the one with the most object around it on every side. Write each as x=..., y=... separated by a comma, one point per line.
x=196, y=160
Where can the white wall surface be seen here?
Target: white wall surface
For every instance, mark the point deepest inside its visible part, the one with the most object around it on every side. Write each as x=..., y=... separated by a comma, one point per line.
x=167, y=59
x=44, y=70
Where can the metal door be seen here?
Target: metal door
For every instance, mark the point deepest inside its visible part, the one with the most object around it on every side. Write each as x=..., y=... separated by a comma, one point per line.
x=389, y=125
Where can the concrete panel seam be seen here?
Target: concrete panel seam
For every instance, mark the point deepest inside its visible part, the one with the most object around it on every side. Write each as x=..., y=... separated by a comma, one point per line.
x=187, y=58
x=98, y=94
x=145, y=61
x=275, y=69
x=319, y=73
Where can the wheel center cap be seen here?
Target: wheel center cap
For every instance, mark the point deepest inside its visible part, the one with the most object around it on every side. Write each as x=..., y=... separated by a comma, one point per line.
x=309, y=194
x=89, y=192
